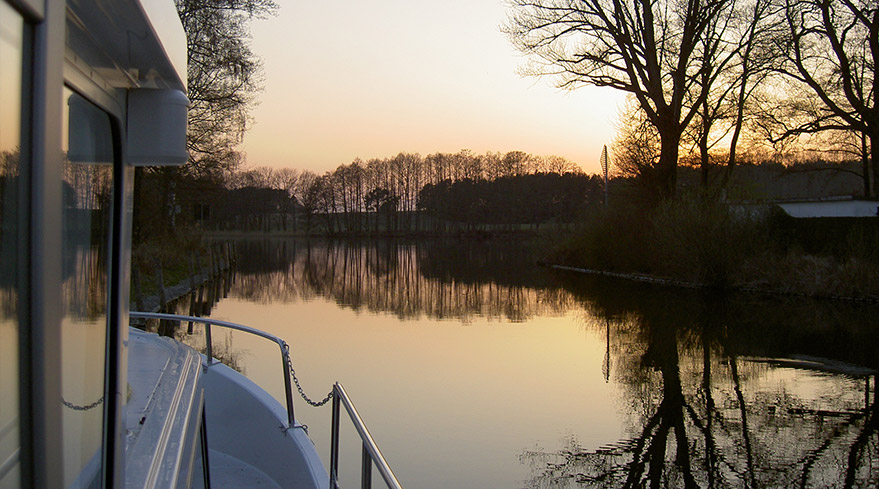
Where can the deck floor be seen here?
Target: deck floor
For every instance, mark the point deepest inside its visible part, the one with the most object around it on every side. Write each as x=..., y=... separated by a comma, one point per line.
x=230, y=472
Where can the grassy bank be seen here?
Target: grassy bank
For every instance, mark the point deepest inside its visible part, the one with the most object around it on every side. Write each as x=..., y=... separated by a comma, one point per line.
x=697, y=239
x=162, y=269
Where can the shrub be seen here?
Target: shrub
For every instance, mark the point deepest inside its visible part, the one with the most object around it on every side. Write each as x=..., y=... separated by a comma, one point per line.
x=610, y=241
x=700, y=239
x=693, y=238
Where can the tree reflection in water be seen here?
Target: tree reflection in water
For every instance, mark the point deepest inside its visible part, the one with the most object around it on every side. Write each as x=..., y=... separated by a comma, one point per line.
x=708, y=407
x=410, y=279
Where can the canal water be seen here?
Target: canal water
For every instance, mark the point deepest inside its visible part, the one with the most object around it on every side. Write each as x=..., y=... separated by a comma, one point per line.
x=475, y=368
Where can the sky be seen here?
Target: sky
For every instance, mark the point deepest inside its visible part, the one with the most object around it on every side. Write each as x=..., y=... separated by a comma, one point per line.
x=369, y=79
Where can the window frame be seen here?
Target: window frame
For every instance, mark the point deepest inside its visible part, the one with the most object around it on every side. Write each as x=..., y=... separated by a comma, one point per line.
x=39, y=296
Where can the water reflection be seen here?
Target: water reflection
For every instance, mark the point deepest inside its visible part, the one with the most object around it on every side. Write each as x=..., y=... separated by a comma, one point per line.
x=729, y=392
x=445, y=280
x=708, y=391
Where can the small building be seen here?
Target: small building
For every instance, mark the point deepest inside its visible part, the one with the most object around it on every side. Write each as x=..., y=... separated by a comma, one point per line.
x=837, y=207
x=812, y=208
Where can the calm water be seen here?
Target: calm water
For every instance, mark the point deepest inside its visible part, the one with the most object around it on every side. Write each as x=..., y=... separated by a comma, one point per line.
x=475, y=369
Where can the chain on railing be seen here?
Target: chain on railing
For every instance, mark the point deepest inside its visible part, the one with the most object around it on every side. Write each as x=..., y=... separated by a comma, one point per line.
x=305, y=397
x=282, y=345
x=87, y=407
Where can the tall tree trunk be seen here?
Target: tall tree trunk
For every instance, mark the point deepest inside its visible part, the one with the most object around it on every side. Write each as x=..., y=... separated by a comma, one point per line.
x=704, y=157
x=666, y=173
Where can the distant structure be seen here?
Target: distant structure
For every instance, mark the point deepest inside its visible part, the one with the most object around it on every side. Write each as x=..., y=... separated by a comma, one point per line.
x=604, y=166
x=838, y=206
x=831, y=208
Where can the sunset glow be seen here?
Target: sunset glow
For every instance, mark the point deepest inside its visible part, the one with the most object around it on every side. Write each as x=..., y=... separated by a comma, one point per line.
x=350, y=80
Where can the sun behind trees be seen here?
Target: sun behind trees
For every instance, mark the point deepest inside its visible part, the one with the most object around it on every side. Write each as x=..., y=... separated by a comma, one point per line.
x=705, y=75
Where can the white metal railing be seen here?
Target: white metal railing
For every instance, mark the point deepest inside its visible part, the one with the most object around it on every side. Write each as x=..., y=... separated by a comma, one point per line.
x=371, y=453
x=208, y=322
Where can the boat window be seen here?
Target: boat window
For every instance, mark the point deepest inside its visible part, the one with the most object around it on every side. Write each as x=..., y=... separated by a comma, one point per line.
x=11, y=62
x=87, y=197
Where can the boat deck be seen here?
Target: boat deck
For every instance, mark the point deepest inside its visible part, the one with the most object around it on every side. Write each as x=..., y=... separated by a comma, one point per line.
x=228, y=471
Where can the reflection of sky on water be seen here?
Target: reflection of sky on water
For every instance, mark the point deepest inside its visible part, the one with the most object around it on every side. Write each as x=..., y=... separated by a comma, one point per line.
x=451, y=404
x=491, y=399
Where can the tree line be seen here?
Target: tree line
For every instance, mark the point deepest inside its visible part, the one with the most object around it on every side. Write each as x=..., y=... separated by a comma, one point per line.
x=442, y=193
x=403, y=193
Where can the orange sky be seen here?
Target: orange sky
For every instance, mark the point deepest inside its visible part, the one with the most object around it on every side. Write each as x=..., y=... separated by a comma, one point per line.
x=348, y=79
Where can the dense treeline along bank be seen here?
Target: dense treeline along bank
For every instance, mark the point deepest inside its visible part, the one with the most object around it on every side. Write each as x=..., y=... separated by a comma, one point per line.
x=700, y=241
x=440, y=194
x=408, y=193
x=711, y=86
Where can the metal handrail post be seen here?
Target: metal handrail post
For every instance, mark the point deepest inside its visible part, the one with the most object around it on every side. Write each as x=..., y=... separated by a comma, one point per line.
x=209, y=348
x=288, y=389
x=369, y=445
x=334, y=443
x=366, y=469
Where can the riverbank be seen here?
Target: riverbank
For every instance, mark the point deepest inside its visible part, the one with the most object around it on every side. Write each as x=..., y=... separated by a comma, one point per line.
x=668, y=282
x=699, y=243
x=188, y=270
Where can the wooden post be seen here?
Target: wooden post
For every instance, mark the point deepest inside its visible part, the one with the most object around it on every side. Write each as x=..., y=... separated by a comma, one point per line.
x=191, y=292
x=202, y=271
x=160, y=283
x=138, y=291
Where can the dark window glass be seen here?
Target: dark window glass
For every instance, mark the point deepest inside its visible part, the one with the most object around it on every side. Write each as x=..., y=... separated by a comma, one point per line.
x=87, y=199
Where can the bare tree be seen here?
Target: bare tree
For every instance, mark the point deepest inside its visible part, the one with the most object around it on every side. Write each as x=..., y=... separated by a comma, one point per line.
x=832, y=47
x=555, y=164
x=514, y=163
x=223, y=77
x=636, y=147
x=740, y=45
x=649, y=48
x=308, y=191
